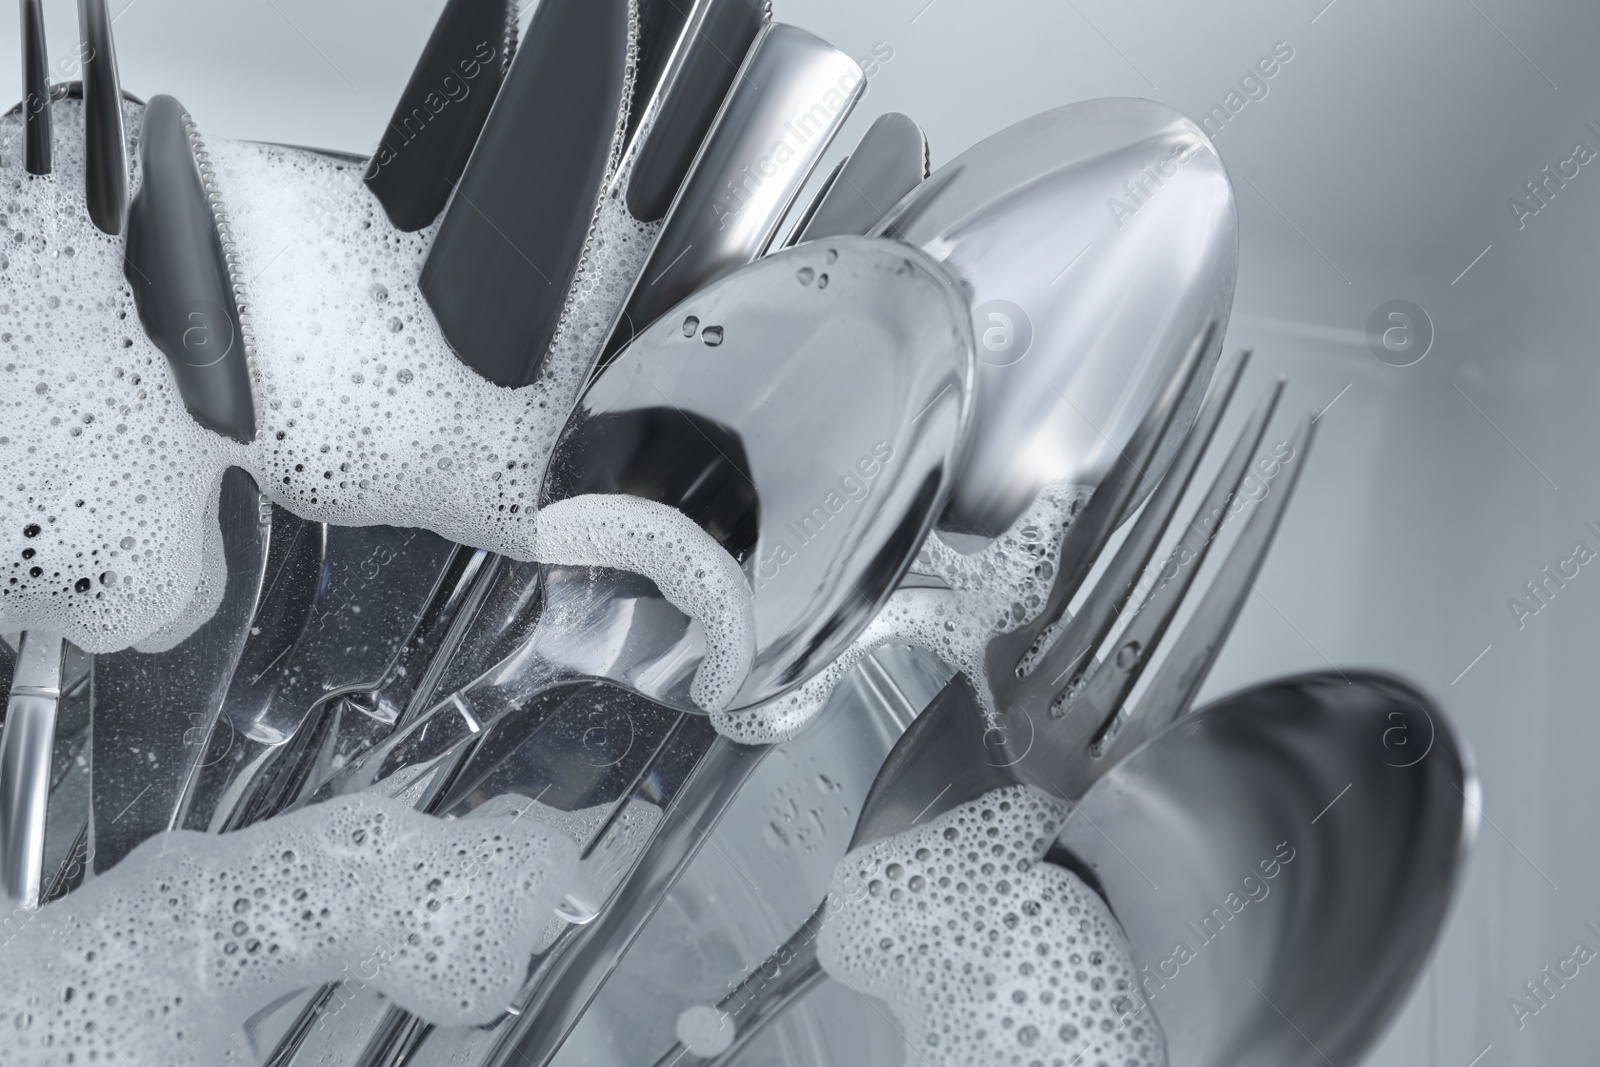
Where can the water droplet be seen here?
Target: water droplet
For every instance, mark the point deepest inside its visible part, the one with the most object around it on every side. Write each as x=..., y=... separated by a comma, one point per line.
x=690, y=326
x=822, y=282
x=712, y=335
x=805, y=275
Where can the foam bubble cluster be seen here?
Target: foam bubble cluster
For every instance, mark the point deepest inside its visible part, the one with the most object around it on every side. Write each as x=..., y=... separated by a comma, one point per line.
x=994, y=590
x=986, y=954
x=106, y=484
x=691, y=569
x=108, y=523
x=162, y=959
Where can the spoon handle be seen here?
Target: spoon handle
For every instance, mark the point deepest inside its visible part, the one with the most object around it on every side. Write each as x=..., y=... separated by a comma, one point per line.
x=779, y=982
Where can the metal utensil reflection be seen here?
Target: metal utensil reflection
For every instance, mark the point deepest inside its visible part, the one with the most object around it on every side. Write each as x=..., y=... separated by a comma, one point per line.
x=1081, y=311
x=774, y=343
x=890, y=160
x=1235, y=846
x=151, y=712
x=687, y=61
x=710, y=428
x=789, y=100
x=1061, y=726
x=1364, y=779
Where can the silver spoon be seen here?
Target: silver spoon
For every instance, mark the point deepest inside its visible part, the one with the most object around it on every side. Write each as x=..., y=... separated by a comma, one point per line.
x=950, y=756
x=993, y=216
x=716, y=395
x=1212, y=797
x=1081, y=309
x=1296, y=795
x=262, y=751
x=740, y=372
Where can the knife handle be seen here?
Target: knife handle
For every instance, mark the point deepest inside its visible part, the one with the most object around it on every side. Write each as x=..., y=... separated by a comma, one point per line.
x=178, y=269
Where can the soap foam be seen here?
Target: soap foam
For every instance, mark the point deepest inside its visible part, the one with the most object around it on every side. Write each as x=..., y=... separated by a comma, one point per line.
x=986, y=954
x=108, y=527
x=694, y=573
x=994, y=590
x=162, y=959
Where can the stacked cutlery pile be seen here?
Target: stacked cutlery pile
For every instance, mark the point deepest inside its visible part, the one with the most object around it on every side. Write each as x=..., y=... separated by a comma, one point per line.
x=913, y=408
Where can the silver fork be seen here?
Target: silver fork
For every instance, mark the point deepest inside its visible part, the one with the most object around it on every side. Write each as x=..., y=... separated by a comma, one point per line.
x=1064, y=720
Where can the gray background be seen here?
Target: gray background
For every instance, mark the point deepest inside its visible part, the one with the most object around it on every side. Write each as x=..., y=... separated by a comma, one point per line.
x=1378, y=167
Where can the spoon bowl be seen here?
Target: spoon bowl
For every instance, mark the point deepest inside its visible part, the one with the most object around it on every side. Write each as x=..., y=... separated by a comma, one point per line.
x=1095, y=241
x=1283, y=861
x=809, y=413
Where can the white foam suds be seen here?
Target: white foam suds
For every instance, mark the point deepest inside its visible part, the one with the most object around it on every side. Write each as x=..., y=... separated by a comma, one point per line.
x=986, y=954
x=991, y=591
x=162, y=959
x=364, y=414
x=694, y=573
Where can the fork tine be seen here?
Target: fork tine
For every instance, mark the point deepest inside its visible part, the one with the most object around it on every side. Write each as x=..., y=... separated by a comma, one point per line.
x=1109, y=685
x=1090, y=531
x=36, y=88
x=1110, y=595
x=1190, y=658
x=105, y=157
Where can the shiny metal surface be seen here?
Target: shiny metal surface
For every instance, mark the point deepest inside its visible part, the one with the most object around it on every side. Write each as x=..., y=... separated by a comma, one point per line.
x=759, y=360
x=789, y=100
x=344, y=604
x=1050, y=733
x=556, y=1005
x=689, y=59
x=760, y=873
x=1056, y=729
x=869, y=490
x=1362, y=778
x=105, y=147
x=573, y=973
x=890, y=161
x=150, y=713
x=862, y=497
x=1241, y=842
x=1096, y=240
x=25, y=747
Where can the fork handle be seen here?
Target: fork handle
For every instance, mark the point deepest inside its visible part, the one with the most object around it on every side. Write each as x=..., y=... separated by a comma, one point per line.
x=781, y=981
